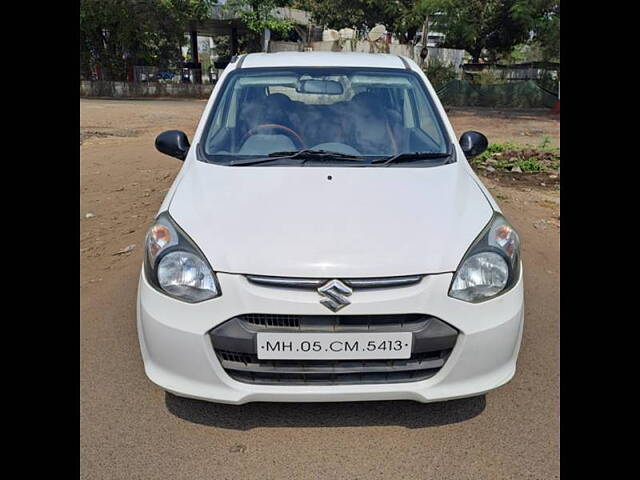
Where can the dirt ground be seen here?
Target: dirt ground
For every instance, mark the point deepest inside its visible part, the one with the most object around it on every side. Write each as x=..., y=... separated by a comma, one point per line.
x=523, y=127
x=132, y=429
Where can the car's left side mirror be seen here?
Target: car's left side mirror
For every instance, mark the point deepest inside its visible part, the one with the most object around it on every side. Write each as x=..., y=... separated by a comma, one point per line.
x=473, y=143
x=173, y=143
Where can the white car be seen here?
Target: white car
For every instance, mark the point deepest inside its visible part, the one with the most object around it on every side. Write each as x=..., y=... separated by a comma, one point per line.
x=327, y=240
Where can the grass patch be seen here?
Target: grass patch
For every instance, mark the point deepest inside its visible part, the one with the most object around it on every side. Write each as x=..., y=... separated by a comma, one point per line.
x=507, y=156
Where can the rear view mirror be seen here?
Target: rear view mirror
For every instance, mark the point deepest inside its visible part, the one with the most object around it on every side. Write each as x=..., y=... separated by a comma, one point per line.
x=173, y=143
x=326, y=87
x=473, y=143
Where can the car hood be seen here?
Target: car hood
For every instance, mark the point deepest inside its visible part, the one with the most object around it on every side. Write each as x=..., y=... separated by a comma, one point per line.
x=330, y=221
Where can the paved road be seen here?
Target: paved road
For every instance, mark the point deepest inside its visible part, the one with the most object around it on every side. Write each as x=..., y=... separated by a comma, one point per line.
x=131, y=429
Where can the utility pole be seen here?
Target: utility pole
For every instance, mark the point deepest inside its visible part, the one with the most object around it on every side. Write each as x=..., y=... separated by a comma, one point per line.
x=196, y=68
x=234, y=41
x=424, y=52
x=266, y=38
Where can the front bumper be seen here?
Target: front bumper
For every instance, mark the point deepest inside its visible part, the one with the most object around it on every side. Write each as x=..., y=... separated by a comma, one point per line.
x=178, y=355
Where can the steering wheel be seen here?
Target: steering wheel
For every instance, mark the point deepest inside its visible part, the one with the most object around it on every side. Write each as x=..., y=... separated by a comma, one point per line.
x=293, y=136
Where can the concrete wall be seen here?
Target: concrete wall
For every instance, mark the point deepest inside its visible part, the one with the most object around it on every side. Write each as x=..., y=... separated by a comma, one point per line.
x=363, y=46
x=447, y=56
x=344, y=46
x=285, y=46
x=147, y=89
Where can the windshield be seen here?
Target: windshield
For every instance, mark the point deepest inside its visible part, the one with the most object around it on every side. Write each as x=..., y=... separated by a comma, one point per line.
x=359, y=113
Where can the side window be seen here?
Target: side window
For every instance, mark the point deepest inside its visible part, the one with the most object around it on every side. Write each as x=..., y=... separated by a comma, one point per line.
x=426, y=117
x=222, y=119
x=233, y=108
x=409, y=121
x=219, y=113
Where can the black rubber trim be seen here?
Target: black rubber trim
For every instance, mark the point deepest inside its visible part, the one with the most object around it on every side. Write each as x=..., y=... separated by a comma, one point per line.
x=250, y=363
x=307, y=379
x=241, y=61
x=405, y=63
x=248, y=369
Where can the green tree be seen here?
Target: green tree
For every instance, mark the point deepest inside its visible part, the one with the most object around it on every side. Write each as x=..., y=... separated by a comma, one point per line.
x=115, y=34
x=340, y=14
x=480, y=25
x=401, y=17
x=258, y=15
x=543, y=19
x=222, y=45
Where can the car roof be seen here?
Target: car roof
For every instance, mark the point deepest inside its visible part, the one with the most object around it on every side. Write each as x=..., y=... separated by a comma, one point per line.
x=322, y=59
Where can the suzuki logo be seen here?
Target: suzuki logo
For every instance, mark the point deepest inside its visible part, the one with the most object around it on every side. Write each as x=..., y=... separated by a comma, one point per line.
x=335, y=293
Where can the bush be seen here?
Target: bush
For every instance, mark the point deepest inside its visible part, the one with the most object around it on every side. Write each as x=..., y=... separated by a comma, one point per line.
x=486, y=77
x=439, y=73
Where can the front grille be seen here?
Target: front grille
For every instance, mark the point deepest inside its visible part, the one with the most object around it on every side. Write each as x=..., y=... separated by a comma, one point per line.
x=314, y=283
x=333, y=323
x=234, y=343
x=247, y=368
x=278, y=321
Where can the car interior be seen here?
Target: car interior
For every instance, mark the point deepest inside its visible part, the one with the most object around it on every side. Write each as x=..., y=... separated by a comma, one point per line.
x=368, y=120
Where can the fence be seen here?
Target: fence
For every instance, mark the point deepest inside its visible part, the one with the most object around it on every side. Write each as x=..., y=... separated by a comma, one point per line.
x=144, y=89
x=455, y=93
x=145, y=73
x=545, y=73
x=526, y=94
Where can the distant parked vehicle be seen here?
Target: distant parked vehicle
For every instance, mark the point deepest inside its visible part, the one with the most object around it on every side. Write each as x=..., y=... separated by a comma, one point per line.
x=164, y=75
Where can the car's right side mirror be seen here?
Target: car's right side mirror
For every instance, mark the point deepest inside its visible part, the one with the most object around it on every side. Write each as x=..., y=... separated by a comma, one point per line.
x=173, y=143
x=473, y=143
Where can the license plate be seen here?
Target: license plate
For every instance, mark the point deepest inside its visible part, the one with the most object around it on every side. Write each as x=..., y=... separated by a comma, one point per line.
x=333, y=346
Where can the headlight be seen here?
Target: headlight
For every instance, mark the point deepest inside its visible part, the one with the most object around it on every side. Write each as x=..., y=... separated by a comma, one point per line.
x=491, y=266
x=175, y=266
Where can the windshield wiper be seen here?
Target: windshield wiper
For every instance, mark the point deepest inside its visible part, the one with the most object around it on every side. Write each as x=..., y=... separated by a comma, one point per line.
x=300, y=154
x=326, y=155
x=410, y=156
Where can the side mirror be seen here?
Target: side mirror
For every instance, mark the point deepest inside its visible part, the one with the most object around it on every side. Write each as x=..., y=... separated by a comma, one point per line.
x=173, y=143
x=473, y=143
